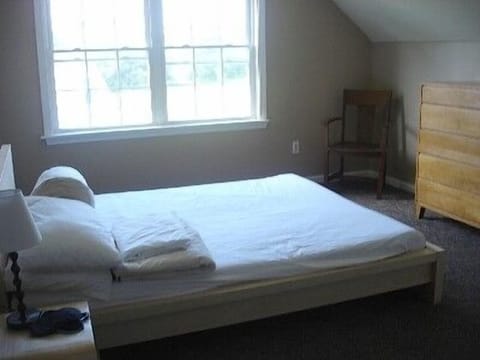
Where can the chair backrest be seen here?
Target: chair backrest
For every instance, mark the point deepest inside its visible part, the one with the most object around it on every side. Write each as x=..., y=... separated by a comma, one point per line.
x=370, y=104
x=379, y=98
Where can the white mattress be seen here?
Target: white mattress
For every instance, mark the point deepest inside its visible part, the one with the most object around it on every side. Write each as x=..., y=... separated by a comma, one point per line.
x=261, y=229
x=59, y=288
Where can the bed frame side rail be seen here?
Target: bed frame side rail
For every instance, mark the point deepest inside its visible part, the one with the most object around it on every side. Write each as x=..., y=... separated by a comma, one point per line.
x=149, y=320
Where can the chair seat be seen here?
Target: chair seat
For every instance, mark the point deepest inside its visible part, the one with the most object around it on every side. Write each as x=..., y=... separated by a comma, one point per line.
x=354, y=147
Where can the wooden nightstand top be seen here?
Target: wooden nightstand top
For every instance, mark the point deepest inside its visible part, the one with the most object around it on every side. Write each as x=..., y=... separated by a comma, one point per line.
x=19, y=344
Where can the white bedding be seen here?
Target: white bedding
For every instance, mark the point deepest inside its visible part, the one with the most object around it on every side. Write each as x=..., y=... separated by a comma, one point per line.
x=261, y=229
x=195, y=257
x=55, y=288
x=142, y=237
x=265, y=228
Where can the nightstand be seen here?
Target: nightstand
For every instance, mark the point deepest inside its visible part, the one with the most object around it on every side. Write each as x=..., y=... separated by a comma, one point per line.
x=19, y=344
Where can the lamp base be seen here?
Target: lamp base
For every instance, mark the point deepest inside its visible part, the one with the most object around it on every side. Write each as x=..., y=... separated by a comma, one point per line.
x=15, y=322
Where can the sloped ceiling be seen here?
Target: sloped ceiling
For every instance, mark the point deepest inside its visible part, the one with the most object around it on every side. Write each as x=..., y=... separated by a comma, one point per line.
x=415, y=20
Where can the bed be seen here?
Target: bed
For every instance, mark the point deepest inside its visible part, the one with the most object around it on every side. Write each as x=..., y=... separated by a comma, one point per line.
x=257, y=290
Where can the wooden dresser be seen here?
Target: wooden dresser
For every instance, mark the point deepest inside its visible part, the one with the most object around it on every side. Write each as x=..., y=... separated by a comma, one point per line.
x=448, y=160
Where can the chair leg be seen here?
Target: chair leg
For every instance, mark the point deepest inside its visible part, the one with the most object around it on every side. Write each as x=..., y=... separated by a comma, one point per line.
x=381, y=175
x=326, y=168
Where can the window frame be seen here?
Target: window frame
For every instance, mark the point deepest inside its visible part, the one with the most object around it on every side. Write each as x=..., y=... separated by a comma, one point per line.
x=158, y=85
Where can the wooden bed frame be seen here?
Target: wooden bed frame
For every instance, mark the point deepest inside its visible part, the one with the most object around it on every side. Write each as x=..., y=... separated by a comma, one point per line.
x=146, y=320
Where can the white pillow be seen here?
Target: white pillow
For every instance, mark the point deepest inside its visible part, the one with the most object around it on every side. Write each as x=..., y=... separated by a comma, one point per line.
x=73, y=237
x=64, y=182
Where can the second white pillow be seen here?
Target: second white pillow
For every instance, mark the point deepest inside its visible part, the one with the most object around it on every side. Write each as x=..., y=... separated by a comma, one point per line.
x=64, y=182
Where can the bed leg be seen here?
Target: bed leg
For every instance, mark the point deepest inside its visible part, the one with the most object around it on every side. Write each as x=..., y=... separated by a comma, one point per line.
x=435, y=288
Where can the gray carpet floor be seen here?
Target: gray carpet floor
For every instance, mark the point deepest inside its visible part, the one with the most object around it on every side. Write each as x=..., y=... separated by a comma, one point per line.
x=398, y=325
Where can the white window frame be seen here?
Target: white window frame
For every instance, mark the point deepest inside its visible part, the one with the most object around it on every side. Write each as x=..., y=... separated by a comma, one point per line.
x=160, y=126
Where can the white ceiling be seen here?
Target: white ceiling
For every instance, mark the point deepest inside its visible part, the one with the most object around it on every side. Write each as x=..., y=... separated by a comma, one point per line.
x=415, y=20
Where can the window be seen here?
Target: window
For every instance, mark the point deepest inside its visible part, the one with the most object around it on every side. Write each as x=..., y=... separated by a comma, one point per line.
x=107, y=66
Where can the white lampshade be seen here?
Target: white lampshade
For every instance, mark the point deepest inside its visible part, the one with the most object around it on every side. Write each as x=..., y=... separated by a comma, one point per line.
x=17, y=228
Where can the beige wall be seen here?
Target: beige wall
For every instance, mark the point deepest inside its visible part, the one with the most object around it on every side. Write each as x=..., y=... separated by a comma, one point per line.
x=403, y=67
x=313, y=52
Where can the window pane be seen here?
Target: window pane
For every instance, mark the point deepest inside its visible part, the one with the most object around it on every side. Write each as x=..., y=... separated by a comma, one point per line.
x=72, y=110
x=104, y=108
x=234, y=22
x=93, y=24
x=177, y=56
x=236, y=96
x=136, y=107
x=70, y=71
x=179, y=67
x=130, y=23
x=240, y=54
x=206, y=22
x=218, y=79
x=71, y=89
x=181, y=102
x=134, y=70
x=66, y=24
x=179, y=75
x=236, y=72
x=209, y=102
x=207, y=55
x=102, y=70
x=110, y=89
x=99, y=24
x=216, y=67
x=176, y=22
x=208, y=72
x=236, y=69
x=208, y=66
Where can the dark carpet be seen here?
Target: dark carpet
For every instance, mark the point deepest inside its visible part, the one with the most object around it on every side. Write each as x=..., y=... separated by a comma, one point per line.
x=399, y=325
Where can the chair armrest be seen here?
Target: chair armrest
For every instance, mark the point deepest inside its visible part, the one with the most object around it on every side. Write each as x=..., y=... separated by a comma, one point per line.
x=329, y=121
x=327, y=128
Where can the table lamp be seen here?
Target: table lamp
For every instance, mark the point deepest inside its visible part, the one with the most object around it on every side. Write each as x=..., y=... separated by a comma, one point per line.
x=17, y=232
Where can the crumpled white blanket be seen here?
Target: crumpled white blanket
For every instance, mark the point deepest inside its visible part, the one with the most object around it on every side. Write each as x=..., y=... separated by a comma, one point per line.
x=139, y=238
x=195, y=257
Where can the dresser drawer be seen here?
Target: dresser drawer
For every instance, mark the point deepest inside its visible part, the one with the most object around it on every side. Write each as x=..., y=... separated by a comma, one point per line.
x=466, y=96
x=452, y=202
x=458, y=121
x=449, y=146
x=449, y=173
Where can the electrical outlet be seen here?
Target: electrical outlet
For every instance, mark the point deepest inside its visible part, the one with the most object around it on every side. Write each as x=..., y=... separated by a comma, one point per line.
x=296, y=147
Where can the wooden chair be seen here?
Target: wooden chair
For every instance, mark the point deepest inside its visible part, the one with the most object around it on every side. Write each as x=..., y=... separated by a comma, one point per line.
x=372, y=108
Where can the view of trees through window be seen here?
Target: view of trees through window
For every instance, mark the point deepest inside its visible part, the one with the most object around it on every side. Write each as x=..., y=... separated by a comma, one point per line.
x=103, y=64
x=133, y=74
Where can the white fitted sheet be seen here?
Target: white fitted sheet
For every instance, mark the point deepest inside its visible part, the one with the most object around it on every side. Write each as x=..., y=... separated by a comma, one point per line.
x=261, y=229
x=43, y=289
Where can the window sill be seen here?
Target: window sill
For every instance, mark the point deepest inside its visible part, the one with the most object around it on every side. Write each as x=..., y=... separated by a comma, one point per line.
x=153, y=131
